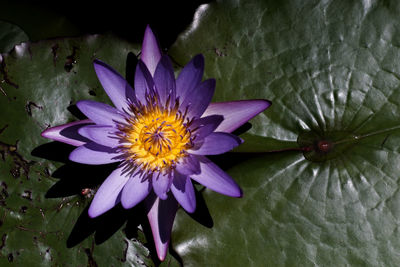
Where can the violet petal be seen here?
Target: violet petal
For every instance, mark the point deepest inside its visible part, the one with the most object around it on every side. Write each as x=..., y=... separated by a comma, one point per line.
x=190, y=77
x=135, y=190
x=164, y=80
x=198, y=99
x=108, y=194
x=67, y=133
x=161, y=184
x=216, y=179
x=216, y=143
x=116, y=87
x=103, y=135
x=204, y=126
x=236, y=113
x=151, y=52
x=93, y=154
x=183, y=191
x=161, y=215
x=100, y=113
x=143, y=82
x=188, y=165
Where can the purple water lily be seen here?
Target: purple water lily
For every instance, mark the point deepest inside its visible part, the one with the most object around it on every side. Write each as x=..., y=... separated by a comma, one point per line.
x=159, y=133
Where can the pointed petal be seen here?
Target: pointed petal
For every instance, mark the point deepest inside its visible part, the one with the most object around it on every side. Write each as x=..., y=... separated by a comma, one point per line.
x=216, y=179
x=143, y=82
x=204, y=126
x=94, y=154
x=108, y=194
x=188, y=165
x=164, y=80
x=161, y=184
x=183, y=191
x=100, y=113
x=102, y=135
x=190, y=77
x=116, y=87
x=135, y=190
x=67, y=133
x=161, y=215
x=151, y=52
x=236, y=113
x=198, y=99
x=216, y=143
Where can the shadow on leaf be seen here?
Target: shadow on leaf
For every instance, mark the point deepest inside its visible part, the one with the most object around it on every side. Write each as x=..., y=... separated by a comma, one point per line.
x=80, y=179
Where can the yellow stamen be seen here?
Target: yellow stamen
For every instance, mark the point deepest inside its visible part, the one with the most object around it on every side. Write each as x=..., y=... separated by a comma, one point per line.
x=155, y=138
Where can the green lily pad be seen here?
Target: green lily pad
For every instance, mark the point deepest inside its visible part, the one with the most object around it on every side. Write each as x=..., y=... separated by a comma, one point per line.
x=10, y=35
x=44, y=198
x=326, y=189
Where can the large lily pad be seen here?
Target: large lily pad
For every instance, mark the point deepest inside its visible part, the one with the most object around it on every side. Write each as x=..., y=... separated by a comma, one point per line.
x=43, y=209
x=330, y=197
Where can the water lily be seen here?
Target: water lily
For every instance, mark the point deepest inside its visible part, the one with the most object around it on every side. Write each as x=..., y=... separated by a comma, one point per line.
x=159, y=132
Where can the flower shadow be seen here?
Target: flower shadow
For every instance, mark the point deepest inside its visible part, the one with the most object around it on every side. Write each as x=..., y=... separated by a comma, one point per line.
x=79, y=179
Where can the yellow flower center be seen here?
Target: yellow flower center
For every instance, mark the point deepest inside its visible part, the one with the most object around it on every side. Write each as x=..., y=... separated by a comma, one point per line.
x=155, y=139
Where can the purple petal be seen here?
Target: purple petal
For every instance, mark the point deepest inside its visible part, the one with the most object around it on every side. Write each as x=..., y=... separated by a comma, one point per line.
x=188, y=165
x=67, y=133
x=164, y=80
x=183, y=191
x=151, y=52
x=108, y=194
x=94, y=154
x=100, y=113
x=143, y=82
x=205, y=126
x=236, y=113
x=161, y=184
x=161, y=215
x=190, y=77
x=198, y=99
x=116, y=87
x=135, y=190
x=216, y=143
x=216, y=179
x=103, y=135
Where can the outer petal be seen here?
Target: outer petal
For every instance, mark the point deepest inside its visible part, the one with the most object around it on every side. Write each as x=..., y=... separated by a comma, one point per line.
x=183, y=191
x=198, y=99
x=100, y=113
x=236, y=113
x=103, y=135
x=190, y=77
x=161, y=215
x=114, y=84
x=161, y=184
x=93, y=154
x=135, y=190
x=143, y=82
x=164, y=80
x=205, y=126
x=67, y=133
x=216, y=179
x=216, y=143
x=108, y=194
x=151, y=52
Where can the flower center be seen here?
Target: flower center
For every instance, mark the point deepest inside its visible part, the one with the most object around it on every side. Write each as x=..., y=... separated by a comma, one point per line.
x=154, y=139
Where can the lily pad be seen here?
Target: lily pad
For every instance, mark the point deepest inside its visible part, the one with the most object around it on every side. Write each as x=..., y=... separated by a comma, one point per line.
x=44, y=197
x=326, y=189
x=10, y=35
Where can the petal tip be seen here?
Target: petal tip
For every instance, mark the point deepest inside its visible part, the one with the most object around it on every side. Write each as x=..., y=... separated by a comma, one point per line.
x=93, y=213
